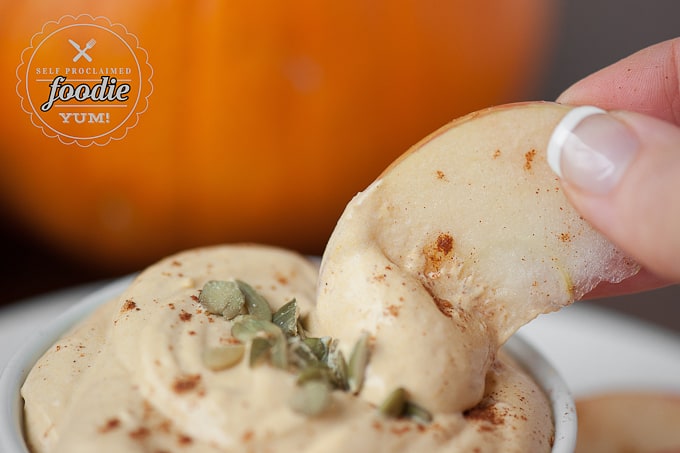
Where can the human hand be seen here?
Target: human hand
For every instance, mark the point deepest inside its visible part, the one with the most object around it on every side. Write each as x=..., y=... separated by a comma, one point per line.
x=621, y=169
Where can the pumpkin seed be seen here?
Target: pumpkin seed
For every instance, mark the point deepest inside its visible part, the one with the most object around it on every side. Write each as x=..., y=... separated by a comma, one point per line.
x=279, y=350
x=417, y=413
x=395, y=404
x=222, y=297
x=301, y=331
x=236, y=304
x=315, y=372
x=286, y=318
x=338, y=365
x=246, y=327
x=357, y=364
x=319, y=346
x=302, y=354
x=303, y=322
x=260, y=349
x=256, y=304
x=311, y=398
x=258, y=332
x=222, y=357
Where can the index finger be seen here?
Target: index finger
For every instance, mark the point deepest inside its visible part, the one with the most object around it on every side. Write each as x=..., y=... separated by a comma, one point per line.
x=647, y=82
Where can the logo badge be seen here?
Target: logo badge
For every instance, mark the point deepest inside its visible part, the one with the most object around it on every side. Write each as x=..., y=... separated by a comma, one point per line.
x=84, y=80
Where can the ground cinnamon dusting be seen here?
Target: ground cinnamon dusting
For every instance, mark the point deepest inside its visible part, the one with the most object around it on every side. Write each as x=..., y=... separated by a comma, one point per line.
x=184, y=316
x=444, y=306
x=438, y=252
x=140, y=433
x=185, y=384
x=129, y=305
x=165, y=426
x=485, y=411
x=392, y=310
x=110, y=425
x=248, y=436
x=379, y=277
x=398, y=430
x=528, y=158
x=445, y=243
x=183, y=439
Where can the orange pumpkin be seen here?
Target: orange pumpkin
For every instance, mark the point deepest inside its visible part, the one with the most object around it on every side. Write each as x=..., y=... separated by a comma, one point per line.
x=265, y=118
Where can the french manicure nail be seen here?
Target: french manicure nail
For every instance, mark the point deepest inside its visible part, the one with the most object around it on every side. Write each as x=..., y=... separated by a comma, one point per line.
x=591, y=149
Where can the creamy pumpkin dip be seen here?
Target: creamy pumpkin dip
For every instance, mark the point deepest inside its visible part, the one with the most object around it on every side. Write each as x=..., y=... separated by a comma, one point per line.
x=135, y=377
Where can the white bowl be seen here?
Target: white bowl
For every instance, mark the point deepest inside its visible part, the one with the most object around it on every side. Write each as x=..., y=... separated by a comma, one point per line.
x=14, y=374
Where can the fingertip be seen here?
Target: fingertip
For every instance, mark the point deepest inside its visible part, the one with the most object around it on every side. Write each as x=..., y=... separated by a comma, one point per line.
x=562, y=132
x=591, y=149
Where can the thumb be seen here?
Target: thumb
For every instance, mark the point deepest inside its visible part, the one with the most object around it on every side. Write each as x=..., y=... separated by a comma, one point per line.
x=621, y=171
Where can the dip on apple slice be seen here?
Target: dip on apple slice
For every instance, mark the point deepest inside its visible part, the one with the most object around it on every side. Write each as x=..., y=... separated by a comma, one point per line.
x=461, y=241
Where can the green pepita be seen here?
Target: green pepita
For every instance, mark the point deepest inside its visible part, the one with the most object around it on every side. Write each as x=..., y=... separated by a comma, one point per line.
x=394, y=405
x=301, y=353
x=311, y=398
x=319, y=346
x=256, y=304
x=260, y=350
x=417, y=413
x=222, y=297
x=286, y=318
x=279, y=350
x=357, y=364
x=338, y=365
x=315, y=372
x=301, y=331
x=246, y=327
x=224, y=356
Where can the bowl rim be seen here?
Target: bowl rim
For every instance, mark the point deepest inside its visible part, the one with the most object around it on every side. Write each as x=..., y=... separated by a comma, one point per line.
x=15, y=372
x=553, y=385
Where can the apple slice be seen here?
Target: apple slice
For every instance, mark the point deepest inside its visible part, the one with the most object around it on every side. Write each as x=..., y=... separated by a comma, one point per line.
x=460, y=242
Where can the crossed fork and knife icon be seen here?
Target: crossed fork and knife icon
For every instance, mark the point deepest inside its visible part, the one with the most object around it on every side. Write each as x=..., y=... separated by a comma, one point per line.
x=83, y=52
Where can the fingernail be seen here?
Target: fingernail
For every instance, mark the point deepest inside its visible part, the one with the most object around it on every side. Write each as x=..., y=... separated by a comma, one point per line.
x=591, y=149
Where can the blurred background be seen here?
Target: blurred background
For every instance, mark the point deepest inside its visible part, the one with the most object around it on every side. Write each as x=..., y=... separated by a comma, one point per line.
x=531, y=49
